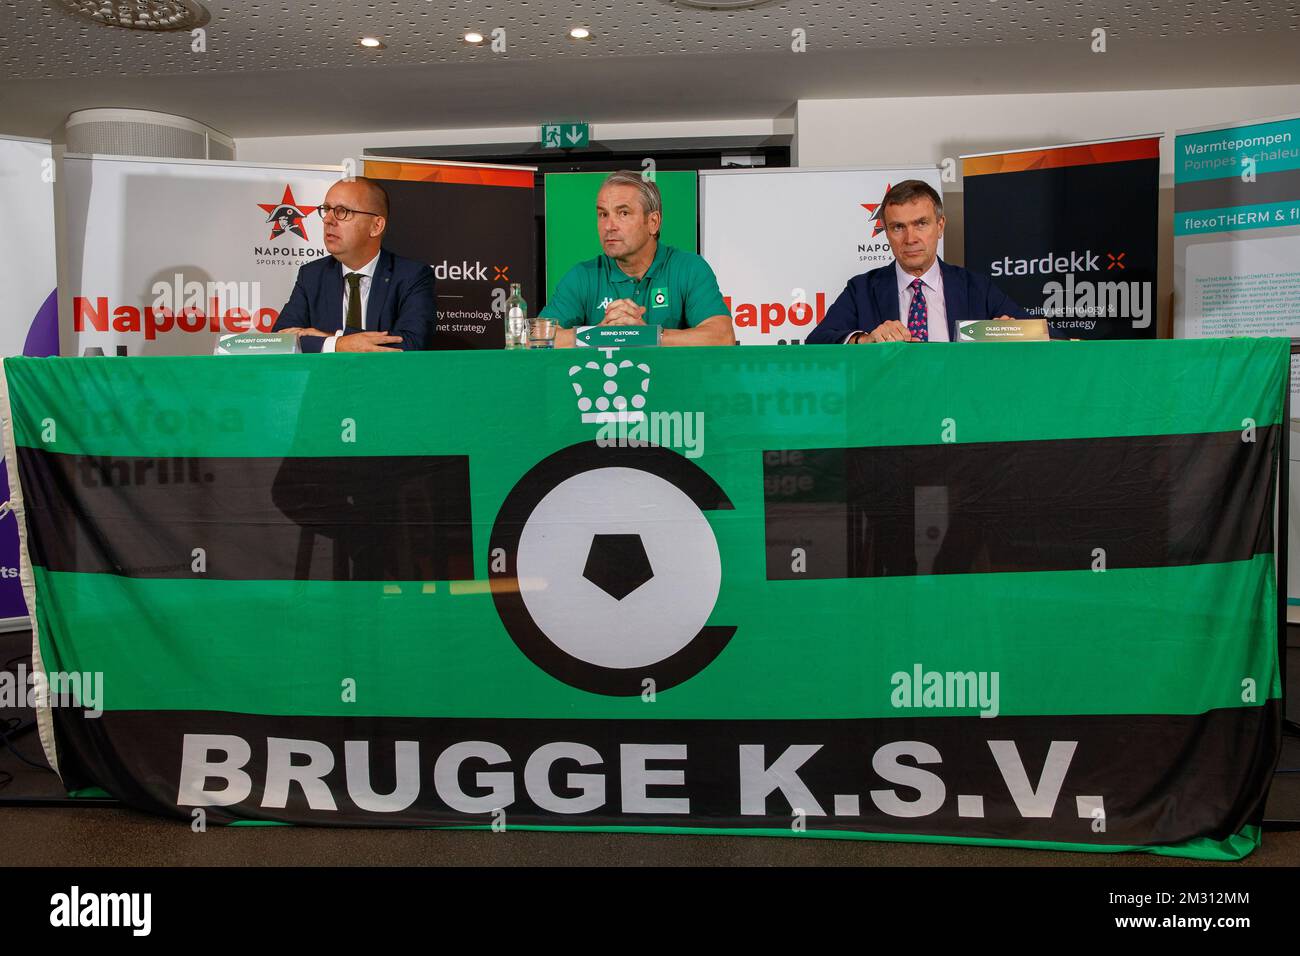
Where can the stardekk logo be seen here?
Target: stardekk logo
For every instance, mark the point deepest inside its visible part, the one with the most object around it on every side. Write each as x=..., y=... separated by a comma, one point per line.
x=1050, y=264
x=287, y=215
x=470, y=271
x=605, y=302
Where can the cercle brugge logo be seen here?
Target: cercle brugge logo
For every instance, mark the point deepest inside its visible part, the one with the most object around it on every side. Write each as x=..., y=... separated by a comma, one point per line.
x=614, y=390
x=659, y=297
x=611, y=569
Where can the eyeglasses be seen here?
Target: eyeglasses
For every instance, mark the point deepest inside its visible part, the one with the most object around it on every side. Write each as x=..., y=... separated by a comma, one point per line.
x=342, y=213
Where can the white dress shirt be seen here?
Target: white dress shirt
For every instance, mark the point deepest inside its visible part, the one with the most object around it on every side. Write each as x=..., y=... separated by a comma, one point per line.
x=367, y=276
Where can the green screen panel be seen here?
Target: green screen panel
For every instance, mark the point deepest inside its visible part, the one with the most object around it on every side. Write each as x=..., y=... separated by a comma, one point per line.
x=571, y=218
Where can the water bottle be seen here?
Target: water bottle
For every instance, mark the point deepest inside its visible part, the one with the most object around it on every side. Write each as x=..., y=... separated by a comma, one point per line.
x=516, y=319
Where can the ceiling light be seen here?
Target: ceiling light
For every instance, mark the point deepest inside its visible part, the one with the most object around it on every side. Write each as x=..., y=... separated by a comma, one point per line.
x=580, y=33
x=371, y=43
x=473, y=37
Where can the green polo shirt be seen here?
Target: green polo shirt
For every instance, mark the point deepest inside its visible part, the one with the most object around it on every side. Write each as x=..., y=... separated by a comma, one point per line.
x=679, y=291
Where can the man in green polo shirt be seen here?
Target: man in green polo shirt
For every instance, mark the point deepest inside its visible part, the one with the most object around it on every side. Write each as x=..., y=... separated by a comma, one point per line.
x=640, y=281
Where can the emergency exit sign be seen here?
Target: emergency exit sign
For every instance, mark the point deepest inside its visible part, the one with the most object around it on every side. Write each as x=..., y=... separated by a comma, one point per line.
x=566, y=135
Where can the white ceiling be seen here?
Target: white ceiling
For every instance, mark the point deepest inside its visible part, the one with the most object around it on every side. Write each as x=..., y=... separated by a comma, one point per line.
x=294, y=67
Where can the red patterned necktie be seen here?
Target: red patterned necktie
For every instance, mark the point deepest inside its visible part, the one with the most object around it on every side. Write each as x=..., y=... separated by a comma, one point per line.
x=918, y=316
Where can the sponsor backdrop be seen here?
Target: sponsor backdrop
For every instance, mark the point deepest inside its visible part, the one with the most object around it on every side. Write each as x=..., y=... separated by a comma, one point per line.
x=784, y=242
x=30, y=325
x=165, y=255
x=1069, y=232
x=1293, y=519
x=726, y=604
x=571, y=233
x=1237, y=247
x=1237, y=229
x=473, y=223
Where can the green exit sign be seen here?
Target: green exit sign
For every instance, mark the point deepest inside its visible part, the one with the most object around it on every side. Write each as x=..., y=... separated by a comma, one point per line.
x=566, y=135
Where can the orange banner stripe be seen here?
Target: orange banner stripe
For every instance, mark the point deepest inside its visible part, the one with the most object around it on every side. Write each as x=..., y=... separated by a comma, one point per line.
x=419, y=172
x=1120, y=152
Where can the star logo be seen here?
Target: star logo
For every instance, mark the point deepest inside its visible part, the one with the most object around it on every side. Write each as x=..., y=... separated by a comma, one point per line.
x=877, y=211
x=287, y=215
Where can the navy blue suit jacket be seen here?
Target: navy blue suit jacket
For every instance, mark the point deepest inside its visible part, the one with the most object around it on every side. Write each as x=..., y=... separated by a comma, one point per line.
x=400, y=302
x=872, y=298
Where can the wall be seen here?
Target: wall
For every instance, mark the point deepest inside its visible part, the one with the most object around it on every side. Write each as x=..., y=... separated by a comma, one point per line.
x=333, y=149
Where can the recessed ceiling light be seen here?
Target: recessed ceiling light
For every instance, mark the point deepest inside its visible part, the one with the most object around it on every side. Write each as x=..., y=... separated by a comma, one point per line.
x=371, y=43
x=580, y=33
x=473, y=37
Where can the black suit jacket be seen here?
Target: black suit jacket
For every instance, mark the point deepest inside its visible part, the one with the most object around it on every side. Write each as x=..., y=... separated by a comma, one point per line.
x=872, y=298
x=400, y=302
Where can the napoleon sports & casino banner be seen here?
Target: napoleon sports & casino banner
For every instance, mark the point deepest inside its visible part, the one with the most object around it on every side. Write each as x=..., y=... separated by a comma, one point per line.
x=712, y=597
x=165, y=255
x=784, y=242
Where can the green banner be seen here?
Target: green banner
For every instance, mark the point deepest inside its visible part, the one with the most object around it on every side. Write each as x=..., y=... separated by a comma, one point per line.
x=989, y=595
x=1272, y=146
x=1238, y=218
x=571, y=233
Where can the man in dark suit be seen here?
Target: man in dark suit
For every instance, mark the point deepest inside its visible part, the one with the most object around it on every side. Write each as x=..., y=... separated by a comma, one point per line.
x=360, y=298
x=918, y=297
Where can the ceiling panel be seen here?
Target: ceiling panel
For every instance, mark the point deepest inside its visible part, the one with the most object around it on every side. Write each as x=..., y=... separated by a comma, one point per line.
x=286, y=68
x=40, y=40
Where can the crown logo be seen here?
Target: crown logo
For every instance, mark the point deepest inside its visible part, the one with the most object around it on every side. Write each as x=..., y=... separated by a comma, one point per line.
x=611, y=391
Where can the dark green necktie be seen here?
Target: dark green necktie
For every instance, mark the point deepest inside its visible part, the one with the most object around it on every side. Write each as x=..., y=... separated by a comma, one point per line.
x=354, y=301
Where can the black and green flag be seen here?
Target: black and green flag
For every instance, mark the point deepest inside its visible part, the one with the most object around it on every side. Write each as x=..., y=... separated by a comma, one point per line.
x=1016, y=594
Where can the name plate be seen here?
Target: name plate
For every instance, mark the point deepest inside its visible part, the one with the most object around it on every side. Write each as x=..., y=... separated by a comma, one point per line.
x=618, y=336
x=257, y=343
x=995, y=330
